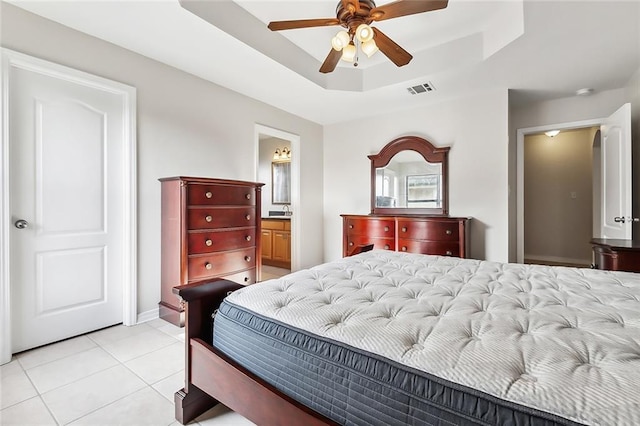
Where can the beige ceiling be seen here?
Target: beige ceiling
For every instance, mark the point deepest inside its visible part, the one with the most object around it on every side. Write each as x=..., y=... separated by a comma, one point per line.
x=540, y=49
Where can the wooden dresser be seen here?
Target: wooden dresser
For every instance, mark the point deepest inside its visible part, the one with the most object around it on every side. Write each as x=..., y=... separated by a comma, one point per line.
x=439, y=235
x=210, y=229
x=616, y=255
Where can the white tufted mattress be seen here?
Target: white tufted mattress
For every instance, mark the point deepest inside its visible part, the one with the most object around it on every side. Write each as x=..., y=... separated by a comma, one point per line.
x=564, y=341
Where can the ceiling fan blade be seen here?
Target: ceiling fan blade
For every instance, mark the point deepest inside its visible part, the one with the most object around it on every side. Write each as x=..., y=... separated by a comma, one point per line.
x=331, y=62
x=406, y=7
x=302, y=23
x=391, y=49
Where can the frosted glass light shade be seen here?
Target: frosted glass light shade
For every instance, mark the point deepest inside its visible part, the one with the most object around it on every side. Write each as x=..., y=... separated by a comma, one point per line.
x=349, y=52
x=364, y=33
x=369, y=48
x=341, y=40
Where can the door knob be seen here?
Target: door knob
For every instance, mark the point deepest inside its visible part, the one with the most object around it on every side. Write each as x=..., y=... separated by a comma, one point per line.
x=621, y=219
x=22, y=224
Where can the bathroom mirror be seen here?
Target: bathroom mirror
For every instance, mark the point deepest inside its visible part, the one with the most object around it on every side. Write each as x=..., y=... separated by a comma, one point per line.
x=281, y=182
x=409, y=176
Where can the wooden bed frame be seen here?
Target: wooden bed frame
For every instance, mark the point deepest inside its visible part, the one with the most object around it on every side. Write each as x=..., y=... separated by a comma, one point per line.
x=212, y=378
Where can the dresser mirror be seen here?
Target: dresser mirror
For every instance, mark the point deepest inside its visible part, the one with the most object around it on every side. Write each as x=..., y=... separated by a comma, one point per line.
x=409, y=176
x=281, y=182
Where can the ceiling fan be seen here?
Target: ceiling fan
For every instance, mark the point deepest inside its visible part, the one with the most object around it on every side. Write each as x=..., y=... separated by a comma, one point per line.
x=355, y=16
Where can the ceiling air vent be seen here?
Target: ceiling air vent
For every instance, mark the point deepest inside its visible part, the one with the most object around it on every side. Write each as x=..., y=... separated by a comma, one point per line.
x=422, y=88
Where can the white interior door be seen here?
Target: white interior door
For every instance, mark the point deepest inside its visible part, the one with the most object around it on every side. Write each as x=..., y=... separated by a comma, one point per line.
x=615, y=171
x=67, y=207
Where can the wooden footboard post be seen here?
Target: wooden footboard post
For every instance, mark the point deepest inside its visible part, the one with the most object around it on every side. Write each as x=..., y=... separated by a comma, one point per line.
x=201, y=300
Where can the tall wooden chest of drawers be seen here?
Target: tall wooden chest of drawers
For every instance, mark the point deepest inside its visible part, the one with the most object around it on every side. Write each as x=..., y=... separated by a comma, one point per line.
x=440, y=235
x=210, y=229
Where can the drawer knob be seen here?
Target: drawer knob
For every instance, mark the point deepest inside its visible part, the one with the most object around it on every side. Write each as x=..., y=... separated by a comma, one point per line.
x=247, y=258
x=246, y=279
x=404, y=248
x=248, y=238
x=248, y=196
x=208, y=218
x=209, y=243
x=208, y=266
x=386, y=247
x=404, y=229
x=248, y=217
x=208, y=194
x=386, y=229
x=449, y=252
x=350, y=243
x=350, y=226
x=448, y=232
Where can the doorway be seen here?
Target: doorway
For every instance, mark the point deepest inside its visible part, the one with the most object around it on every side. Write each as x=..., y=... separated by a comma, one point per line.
x=559, y=197
x=278, y=152
x=67, y=259
x=610, y=145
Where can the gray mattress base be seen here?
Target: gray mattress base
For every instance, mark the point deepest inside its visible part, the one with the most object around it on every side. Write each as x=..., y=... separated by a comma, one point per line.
x=353, y=387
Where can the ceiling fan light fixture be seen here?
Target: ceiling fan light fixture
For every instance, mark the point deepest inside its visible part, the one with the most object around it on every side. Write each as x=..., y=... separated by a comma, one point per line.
x=364, y=33
x=341, y=40
x=349, y=52
x=369, y=48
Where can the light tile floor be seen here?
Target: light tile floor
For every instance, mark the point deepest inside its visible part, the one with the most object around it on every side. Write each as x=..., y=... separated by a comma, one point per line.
x=116, y=376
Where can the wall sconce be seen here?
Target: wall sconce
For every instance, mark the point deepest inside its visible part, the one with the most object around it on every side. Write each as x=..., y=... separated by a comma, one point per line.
x=282, y=154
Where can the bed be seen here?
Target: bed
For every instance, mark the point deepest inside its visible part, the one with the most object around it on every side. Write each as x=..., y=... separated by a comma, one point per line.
x=396, y=338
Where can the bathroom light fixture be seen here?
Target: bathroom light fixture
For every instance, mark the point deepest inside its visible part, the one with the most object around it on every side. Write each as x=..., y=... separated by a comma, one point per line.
x=552, y=133
x=281, y=155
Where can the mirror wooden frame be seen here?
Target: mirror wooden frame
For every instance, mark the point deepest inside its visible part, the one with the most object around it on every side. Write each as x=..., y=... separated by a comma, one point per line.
x=430, y=153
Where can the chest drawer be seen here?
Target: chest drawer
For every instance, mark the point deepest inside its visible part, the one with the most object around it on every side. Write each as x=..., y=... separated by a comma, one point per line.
x=203, y=194
x=378, y=243
x=245, y=277
x=220, y=264
x=441, y=248
x=207, y=242
x=371, y=227
x=428, y=230
x=213, y=218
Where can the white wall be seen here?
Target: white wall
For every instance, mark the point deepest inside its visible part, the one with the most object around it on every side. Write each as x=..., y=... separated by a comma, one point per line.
x=186, y=126
x=474, y=127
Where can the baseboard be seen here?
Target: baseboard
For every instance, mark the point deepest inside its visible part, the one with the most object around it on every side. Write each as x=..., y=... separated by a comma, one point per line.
x=557, y=259
x=148, y=316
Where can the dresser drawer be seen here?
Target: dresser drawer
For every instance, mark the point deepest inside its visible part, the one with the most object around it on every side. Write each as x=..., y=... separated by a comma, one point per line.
x=428, y=230
x=442, y=248
x=371, y=227
x=378, y=243
x=203, y=194
x=207, y=242
x=213, y=218
x=218, y=264
x=245, y=277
